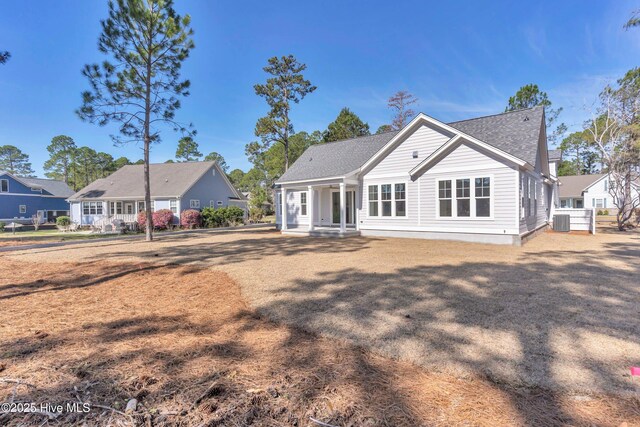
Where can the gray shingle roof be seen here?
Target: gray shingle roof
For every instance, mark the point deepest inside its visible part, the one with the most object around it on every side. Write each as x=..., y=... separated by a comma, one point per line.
x=574, y=185
x=336, y=158
x=52, y=186
x=166, y=180
x=555, y=155
x=515, y=132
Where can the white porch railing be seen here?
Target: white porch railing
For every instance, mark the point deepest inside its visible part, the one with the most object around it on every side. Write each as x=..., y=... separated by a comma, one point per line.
x=583, y=219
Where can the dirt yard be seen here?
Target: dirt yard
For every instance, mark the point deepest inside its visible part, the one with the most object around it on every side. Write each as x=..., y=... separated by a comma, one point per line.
x=539, y=335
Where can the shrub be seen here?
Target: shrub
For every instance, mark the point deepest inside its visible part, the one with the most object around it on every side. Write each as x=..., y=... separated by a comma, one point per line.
x=256, y=214
x=606, y=212
x=63, y=221
x=2, y=224
x=234, y=215
x=599, y=212
x=222, y=217
x=212, y=217
x=190, y=218
x=162, y=219
x=142, y=219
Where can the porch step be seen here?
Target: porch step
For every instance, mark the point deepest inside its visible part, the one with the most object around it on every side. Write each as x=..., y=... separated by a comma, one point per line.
x=320, y=233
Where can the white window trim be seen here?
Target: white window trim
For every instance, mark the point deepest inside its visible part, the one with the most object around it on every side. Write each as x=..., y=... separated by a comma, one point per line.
x=173, y=206
x=194, y=203
x=219, y=203
x=212, y=204
x=472, y=192
x=22, y=209
x=7, y=181
x=393, y=199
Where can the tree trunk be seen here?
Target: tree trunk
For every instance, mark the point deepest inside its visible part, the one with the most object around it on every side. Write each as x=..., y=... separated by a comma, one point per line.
x=147, y=144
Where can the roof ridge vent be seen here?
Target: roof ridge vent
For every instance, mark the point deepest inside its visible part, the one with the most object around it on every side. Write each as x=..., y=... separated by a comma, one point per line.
x=526, y=118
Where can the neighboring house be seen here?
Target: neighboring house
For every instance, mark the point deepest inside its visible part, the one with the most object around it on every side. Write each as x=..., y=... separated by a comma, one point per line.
x=588, y=191
x=482, y=180
x=21, y=198
x=175, y=186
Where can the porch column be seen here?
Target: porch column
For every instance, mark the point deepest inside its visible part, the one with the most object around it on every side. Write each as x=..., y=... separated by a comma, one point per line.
x=311, y=208
x=343, y=209
x=283, y=209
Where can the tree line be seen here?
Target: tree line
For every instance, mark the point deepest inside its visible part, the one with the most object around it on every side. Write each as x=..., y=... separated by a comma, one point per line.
x=140, y=88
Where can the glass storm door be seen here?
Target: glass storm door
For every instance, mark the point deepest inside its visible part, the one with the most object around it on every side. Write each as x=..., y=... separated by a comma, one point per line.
x=350, y=211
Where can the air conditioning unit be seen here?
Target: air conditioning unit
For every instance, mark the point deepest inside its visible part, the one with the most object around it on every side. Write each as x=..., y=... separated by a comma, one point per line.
x=562, y=222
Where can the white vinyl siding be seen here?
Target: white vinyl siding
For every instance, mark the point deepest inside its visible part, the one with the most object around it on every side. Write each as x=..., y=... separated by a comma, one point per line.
x=464, y=161
x=295, y=215
x=535, y=209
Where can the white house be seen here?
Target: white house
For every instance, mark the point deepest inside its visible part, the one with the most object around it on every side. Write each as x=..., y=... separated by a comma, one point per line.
x=174, y=186
x=481, y=180
x=588, y=191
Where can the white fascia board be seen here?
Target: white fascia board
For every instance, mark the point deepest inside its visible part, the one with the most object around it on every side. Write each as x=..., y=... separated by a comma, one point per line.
x=302, y=181
x=423, y=118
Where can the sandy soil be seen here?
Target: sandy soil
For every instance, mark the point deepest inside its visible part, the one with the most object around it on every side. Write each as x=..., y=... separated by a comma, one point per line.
x=560, y=313
x=182, y=341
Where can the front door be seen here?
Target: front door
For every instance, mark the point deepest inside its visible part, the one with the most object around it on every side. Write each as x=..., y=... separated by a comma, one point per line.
x=335, y=207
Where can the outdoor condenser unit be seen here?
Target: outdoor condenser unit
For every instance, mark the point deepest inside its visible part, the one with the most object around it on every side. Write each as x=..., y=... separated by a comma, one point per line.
x=562, y=222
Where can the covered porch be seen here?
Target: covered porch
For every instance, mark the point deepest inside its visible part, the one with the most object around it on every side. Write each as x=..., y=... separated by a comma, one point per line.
x=320, y=209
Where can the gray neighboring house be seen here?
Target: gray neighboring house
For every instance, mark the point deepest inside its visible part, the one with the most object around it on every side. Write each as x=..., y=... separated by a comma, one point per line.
x=486, y=179
x=174, y=186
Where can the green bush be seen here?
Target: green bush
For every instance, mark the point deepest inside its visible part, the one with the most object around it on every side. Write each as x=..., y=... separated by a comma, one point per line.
x=256, y=214
x=222, y=217
x=606, y=212
x=63, y=220
x=2, y=224
x=599, y=212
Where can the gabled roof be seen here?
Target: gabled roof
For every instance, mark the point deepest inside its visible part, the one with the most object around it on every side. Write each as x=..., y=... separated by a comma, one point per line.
x=335, y=158
x=51, y=186
x=574, y=185
x=516, y=133
x=166, y=180
x=555, y=155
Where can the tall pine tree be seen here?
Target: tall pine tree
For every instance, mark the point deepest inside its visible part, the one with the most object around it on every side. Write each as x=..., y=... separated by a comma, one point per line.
x=140, y=87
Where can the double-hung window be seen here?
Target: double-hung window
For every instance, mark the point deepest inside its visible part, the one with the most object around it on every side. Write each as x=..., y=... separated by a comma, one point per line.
x=194, y=204
x=444, y=198
x=385, y=196
x=401, y=200
x=303, y=203
x=173, y=205
x=373, y=200
x=483, y=196
x=463, y=197
x=92, y=208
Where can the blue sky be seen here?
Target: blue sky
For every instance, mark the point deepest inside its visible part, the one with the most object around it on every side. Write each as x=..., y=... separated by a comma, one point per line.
x=461, y=59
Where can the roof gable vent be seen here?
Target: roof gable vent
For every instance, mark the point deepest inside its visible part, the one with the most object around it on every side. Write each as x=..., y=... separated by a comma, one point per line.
x=526, y=118
x=415, y=155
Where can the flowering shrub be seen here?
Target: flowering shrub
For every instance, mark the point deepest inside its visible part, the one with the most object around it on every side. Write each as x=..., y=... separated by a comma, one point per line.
x=142, y=219
x=190, y=218
x=163, y=219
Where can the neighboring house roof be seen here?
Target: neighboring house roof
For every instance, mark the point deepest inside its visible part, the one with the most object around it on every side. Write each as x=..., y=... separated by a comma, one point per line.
x=51, y=186
x=555, y=155
x=574, y=185
x=516, y=133
x=166, y=180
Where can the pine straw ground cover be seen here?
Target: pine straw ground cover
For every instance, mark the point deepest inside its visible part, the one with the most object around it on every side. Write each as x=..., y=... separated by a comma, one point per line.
x=181, y=340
